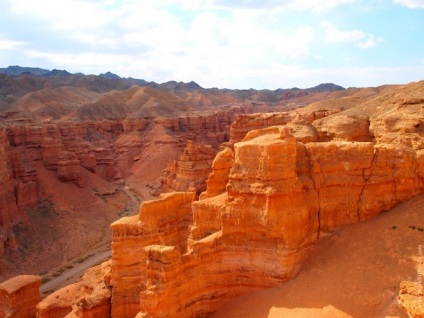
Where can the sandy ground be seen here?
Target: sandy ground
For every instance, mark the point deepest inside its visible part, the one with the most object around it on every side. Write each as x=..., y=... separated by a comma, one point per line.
x=355, y=272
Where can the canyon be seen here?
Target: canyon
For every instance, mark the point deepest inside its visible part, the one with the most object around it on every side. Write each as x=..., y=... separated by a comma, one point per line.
x=95, y=139
x=235, y=199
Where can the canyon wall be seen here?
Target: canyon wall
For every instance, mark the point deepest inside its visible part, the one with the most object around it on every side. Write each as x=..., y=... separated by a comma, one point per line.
x=8, y=204
x=171, y=214
x=19, y=296
x=280, y=196
x=190, y=171
x=107, y=148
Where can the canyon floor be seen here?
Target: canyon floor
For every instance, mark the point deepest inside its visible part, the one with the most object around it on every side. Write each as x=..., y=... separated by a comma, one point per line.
x=353, y=273
x=66, y=230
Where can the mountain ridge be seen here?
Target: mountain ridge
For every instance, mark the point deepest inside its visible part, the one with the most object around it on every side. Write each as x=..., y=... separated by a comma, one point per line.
x=16, y=70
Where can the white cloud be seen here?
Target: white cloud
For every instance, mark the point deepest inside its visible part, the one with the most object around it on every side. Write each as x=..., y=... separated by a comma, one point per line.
x=313, y=5
x=335, y=35
x=65, y=14
x=80, y=62
x=10, y=45
x=410, y=3
x=214, y=42
x=344, y=76
x=370, y=42
x=317, y=5
x=358, y=37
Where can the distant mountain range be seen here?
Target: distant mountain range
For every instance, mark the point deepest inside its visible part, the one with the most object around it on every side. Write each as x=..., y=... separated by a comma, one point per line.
x=32, y=93
x=19, y=71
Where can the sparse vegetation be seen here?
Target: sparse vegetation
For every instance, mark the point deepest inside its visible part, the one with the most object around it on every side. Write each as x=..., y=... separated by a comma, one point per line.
x=45, y=279
x=82, y=259
x=413, y=227
x=48, y=292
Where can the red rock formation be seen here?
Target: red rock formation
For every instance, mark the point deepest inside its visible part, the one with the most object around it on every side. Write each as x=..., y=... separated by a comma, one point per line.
x=280, y=195
x=69, y=170
x=134, y=124
x=107, y=148
x=218, y=179
x=211, y=127
x=339, y=172
x=19, y=296
x=8, y=208
x=130, y=235
x=27, y=194
x=249, y=122
x=189, y=173
x=344, y=127
x=89, y=298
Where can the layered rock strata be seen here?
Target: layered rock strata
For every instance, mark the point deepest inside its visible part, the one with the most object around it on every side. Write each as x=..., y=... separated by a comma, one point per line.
x=257, y=232
x=19, y=296
x=218, y=178
x=213, y=127
x=190, y=171
x=165, y=222
x=106, y=148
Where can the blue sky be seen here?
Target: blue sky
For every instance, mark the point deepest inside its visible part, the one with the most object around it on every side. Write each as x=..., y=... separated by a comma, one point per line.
x=217, y=43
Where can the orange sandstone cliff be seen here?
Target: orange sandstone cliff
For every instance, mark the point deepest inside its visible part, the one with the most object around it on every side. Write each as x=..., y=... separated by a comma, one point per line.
x=190, y=171
x=19, y=296
x=258, y=232
x=282, y=181
x=286, y=186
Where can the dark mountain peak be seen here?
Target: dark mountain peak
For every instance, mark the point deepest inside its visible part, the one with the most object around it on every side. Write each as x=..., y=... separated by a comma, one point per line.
x=179, y=86
x=15, y=70
x=193, y=86
x=136, y=81
x=56, y=72
x=109, y=75
x=326, y=87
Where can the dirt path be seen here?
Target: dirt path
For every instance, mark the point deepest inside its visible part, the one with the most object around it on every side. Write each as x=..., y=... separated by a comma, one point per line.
x=73, y=274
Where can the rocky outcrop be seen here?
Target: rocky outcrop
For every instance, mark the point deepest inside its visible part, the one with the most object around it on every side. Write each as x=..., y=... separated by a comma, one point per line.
x=89, y=298
x=190, y=171
x=218, y=178
x=134, y=124
x=281, y=194
x=171, y=214
x=8, y=206
x=411, y=298
x=249, y=122
x=370, y=179
x=19, y=296
x=211, y=127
